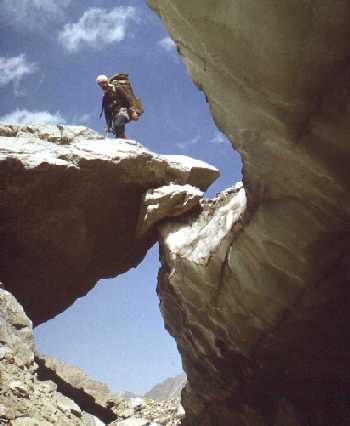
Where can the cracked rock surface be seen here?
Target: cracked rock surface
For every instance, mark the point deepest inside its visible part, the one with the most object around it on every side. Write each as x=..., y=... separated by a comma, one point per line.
x=260, y=310
x=269, y=347
x=165, y=202
x=197, y=297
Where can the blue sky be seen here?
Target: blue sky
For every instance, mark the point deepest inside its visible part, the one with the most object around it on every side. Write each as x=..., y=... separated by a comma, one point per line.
x=50, y=54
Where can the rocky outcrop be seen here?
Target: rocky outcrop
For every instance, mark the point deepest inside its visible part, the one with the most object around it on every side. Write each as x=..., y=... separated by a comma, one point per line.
x=165, y=202
x=71, y=203
x=147, y=412
x=198, y=300
x=161, y=404
x=259, y=320
x=41, y=391
x=168, y=389
x=69, y=206
x=91, y=395
x=24, y=399
x=255, y=294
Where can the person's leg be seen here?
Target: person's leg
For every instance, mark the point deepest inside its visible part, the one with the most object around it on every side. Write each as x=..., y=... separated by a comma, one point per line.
x=120, y=131
x=119, y=125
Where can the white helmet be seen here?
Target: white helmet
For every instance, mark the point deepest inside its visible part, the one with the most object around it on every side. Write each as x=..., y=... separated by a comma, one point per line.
x=100, y=78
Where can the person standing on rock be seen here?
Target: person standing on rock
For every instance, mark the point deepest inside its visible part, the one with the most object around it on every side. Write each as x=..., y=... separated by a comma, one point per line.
x=116, y=105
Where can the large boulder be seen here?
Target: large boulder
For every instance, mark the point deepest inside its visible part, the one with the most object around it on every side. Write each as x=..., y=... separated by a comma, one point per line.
x=262, y=337
x=69, y=207
x=165, y=202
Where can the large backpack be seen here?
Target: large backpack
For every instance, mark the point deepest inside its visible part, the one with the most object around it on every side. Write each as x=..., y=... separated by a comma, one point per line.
x=122, y=80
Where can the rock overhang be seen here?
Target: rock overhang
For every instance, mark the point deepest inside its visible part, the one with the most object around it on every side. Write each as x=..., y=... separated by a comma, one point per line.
x=276, y=80
x=277, y=87
x=70, y=202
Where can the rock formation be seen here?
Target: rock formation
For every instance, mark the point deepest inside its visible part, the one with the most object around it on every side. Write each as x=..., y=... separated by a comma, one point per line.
x=42, y=391
x=91, y=395
x=69, y=206
x=167, y=201
x=260, y=319
x=168, y=389
x=198, y=303
x=147, y=412
x=254, y=284
x=160, y=406
x=24, y=399
x=71, y=202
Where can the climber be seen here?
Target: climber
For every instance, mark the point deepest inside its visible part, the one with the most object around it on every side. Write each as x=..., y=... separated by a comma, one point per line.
x=117, y=107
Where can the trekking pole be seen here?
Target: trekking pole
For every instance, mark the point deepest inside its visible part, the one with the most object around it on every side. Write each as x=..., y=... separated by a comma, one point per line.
x=60, y=128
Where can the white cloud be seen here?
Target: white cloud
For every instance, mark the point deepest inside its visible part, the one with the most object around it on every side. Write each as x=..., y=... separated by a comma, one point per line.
x=32, y=14
x=13, y=69
x=97, y=28
x=181, y=145
x=194, y=140
x=81, y=118
x=167, y=44
x=84, y=118
x=23, y=116
x=186, y=145
x=218, y=138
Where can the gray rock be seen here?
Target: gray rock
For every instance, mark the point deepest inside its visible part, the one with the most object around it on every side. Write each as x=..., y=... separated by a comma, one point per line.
x=169, y=412
x=262, y=314
x=68, y=406
x=28, y=421
x=91, y=395
x=89, y=420
x=167, y=201
x=72, y=206
x=276, y=77
x=20, y=389
x=194, y=172
x=7, y=413
x=5, y=352
x=24, y=399
x=134, y=403
x=168, y=389
x=132, y=422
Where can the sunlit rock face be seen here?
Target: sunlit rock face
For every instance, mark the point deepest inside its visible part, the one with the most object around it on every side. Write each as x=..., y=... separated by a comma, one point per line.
x=69, y=205
x=271, y=346
x=167, y=201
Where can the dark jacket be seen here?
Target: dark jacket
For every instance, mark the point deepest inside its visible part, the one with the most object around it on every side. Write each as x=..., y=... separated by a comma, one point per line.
x=113, y=101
